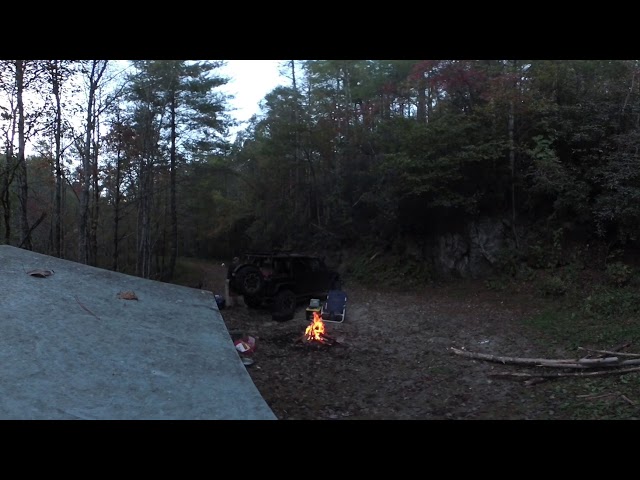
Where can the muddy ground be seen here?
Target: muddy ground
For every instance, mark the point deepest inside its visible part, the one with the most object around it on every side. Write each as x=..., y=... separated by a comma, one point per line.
x=393, y=357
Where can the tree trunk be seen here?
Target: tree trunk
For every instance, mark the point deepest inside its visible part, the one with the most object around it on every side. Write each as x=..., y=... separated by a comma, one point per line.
x=296, y=151
x=95, y=211
x=512, y=160
x=57, y=213
x=151, y=134
x=7, y=179
x=98, y=68
x=144, y=255
x=23, y=186
x=116, y=212
x=86, y=170
x=173, y=205
x=421, y=112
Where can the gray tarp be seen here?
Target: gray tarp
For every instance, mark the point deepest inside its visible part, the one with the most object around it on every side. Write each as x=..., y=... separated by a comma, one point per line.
x=70, y=348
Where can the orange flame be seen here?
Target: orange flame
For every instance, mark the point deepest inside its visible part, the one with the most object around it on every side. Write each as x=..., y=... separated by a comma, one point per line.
x=315, y=330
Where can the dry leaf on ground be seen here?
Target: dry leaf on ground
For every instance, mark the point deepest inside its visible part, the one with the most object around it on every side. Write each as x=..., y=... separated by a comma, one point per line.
x=39, y=272
x=129, y=295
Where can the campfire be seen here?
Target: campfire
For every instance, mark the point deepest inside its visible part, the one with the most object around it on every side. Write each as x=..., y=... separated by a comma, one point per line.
x=316, y=333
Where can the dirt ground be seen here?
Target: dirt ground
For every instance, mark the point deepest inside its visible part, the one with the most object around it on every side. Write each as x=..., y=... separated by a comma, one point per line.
x=393, y=358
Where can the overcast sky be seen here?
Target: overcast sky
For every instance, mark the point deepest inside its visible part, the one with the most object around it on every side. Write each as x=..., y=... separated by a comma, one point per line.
x=250, y=81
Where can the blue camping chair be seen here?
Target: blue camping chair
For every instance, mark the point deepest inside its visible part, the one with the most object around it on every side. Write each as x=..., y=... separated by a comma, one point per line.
x=334, y=308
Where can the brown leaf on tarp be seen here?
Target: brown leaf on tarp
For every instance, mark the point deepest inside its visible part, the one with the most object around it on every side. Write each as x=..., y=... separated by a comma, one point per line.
x=39, y=272
x=129, y=295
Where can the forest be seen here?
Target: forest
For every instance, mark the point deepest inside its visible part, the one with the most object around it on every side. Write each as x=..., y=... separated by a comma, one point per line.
x=422, y=168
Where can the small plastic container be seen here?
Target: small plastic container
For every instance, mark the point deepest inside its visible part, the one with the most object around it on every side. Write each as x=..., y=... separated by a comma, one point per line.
x=220, y=301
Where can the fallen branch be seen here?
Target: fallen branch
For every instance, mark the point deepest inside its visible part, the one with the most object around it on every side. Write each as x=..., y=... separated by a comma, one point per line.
x=32, y=228
x=611, y=352
x=373, y=257
x=535, y=381
x=546, y=362
x=358, y=201
x=614, y=350
x=628, y=400
x=619, y=371
x=593, y=396
x=324, y=340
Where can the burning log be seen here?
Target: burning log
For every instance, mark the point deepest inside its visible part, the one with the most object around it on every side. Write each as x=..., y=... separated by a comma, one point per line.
x=323, y=340
x=315, y=333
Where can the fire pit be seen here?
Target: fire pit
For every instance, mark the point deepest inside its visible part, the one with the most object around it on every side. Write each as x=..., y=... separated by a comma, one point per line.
x=316, y=333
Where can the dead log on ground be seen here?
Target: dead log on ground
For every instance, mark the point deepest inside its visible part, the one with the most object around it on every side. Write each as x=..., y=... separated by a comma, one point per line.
x=610, y=352
x=546, y=362
x=618, y=371
x=615, y=349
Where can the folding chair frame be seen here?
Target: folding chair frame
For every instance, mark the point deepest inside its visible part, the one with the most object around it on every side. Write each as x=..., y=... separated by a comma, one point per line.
x=334, y=309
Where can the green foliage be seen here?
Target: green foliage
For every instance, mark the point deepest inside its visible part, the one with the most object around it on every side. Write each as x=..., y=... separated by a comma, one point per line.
x=546, y=173
x=617, y=208
x=551, y=286
x=571, y=327
x=562, y=326
x=546, y=252
x=187, y=272
x=606, y=302
x=508, y=262
x=392, y=271
x=451, y=163
x=497, y=284
x=369, y=148
x=619, y=274
x=346, y=153
x=537, y=257
x=598, y=399
x=509, y=269
x=188, y=91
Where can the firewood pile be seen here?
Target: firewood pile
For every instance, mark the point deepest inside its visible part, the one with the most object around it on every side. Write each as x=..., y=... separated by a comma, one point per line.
x=316, y=334
x=321, y=339
x=594, y=363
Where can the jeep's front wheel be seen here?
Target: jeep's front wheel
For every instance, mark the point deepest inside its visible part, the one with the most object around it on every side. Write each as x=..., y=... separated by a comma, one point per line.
x=249, y=280
x=284, y=305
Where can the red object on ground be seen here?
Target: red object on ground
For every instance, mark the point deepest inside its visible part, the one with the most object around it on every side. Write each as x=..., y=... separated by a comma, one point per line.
x=246, y=345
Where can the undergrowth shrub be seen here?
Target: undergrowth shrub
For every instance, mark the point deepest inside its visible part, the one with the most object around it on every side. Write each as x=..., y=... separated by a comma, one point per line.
x=551, y=286
x=607, y=301
x=389, y=269
x=619, y=274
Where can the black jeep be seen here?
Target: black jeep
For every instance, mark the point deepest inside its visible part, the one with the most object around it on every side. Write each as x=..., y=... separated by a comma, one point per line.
x=280, y=281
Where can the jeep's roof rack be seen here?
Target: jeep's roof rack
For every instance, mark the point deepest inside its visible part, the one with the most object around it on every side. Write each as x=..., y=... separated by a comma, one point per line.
x=269, y=253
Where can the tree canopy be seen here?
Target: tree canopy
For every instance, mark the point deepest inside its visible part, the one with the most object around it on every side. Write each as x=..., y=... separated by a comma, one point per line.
x=345, y=154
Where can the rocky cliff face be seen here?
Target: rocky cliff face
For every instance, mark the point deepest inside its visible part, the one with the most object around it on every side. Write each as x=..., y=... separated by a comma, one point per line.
x=472, y=252
x=469, y=252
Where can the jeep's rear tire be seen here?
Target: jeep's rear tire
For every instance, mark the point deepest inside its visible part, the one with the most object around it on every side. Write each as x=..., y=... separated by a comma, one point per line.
x=249, y=281
x=284, y=306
